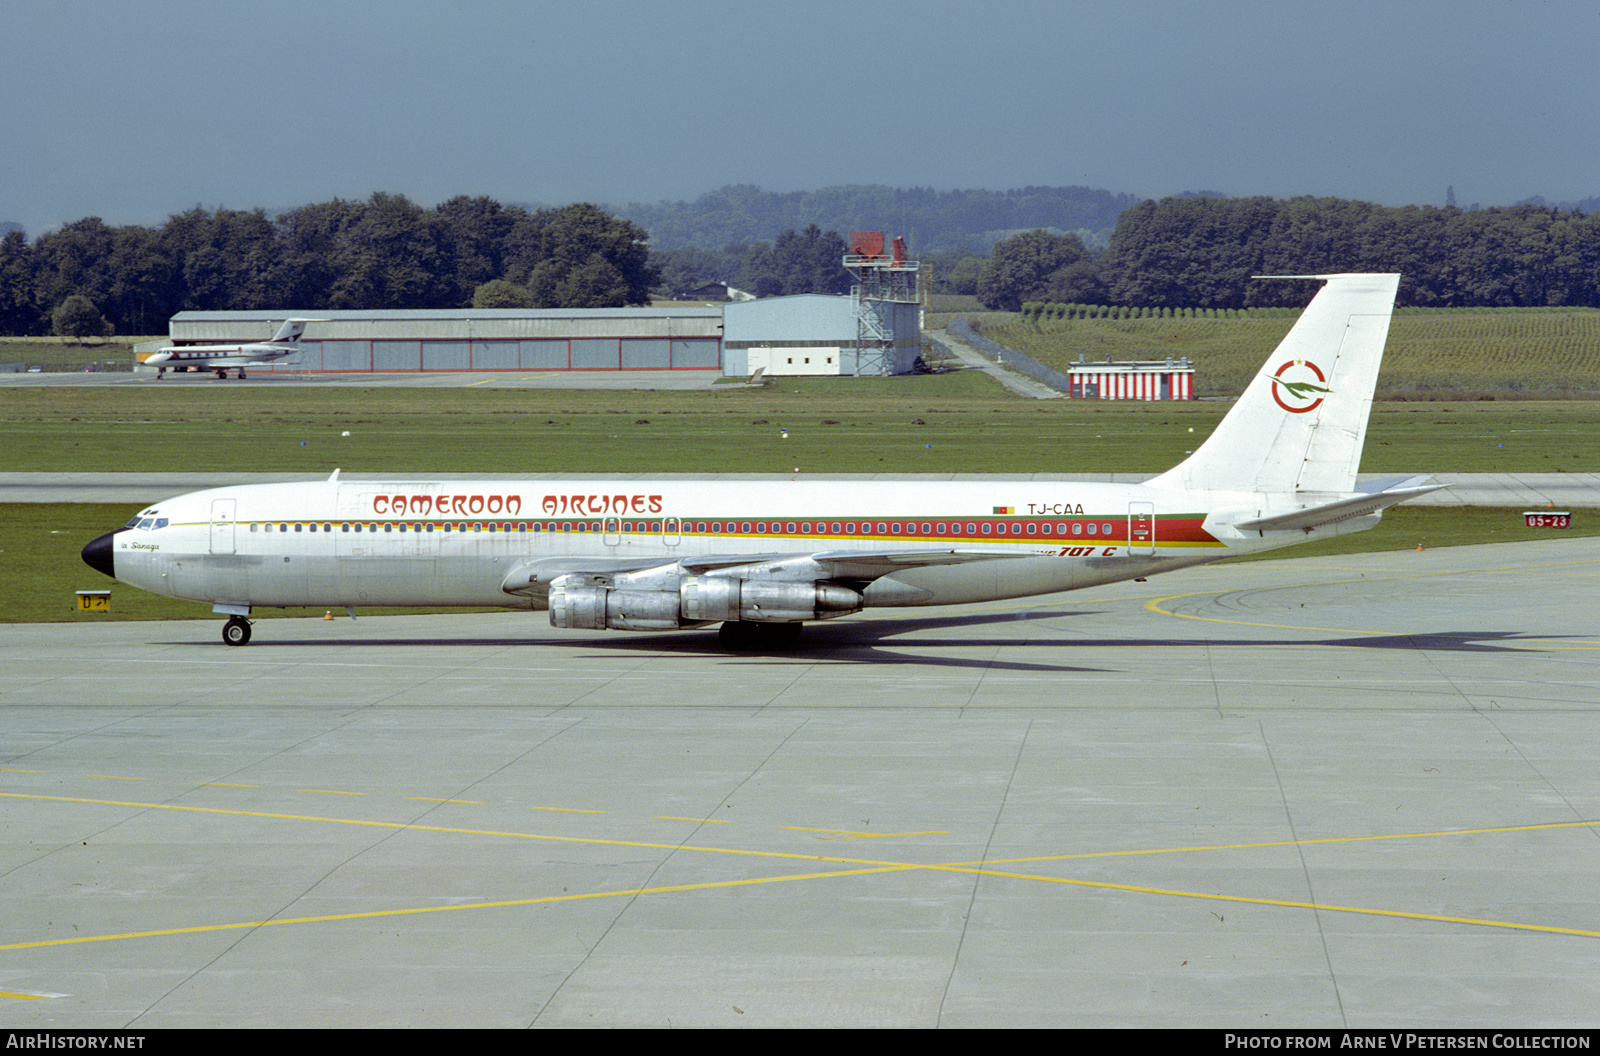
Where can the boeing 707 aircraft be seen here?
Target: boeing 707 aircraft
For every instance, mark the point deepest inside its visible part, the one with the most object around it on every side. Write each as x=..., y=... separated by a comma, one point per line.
x=761, y=558
x=286, y=342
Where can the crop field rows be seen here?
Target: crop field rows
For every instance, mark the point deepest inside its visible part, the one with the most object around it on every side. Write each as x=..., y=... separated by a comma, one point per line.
x=1507, y=354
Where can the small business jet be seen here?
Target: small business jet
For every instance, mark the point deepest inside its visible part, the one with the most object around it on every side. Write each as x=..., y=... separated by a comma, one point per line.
x=761, y=558
x=218, y=358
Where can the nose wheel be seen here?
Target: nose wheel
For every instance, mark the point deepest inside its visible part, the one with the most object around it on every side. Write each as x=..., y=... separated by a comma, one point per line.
x=236, y=631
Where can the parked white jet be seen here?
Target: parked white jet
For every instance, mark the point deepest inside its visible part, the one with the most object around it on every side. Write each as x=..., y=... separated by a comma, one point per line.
x=286, y=342
x=762, y=557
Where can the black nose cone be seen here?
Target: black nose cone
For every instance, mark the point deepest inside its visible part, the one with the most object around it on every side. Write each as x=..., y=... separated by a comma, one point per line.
x=98, y=555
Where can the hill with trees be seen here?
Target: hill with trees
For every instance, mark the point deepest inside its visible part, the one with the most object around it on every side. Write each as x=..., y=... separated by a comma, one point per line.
x=929, y=220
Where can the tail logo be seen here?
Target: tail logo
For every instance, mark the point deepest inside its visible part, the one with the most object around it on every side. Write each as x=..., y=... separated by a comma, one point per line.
x=1294, y=388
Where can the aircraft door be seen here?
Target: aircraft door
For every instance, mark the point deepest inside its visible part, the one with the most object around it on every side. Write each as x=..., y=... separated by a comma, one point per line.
x=671, y=531
x=222, y=515
x=1142, y=529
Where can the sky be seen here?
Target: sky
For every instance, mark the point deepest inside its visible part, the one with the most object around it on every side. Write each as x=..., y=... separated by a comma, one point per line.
x=135, y=111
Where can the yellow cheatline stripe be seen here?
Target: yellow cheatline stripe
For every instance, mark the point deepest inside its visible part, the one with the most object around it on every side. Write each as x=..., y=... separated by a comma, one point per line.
x=847, y=834
x=456, y=830
x=1297, y=843
x=1320, y=907
x=1154, y=605
x=867, y=866
x=418, y=910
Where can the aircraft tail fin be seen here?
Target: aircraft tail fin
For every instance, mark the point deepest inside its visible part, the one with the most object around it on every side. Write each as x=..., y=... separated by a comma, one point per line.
x=289, y=333
x=1301, y=423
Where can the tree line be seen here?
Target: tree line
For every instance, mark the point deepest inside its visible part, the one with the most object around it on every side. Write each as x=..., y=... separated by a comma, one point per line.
x=388, y=252
x=1203, y=252
x=385, y=252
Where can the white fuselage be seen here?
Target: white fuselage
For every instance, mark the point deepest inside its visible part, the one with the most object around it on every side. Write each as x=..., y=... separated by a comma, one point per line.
x=209, y=357
x=761, y=557
x=454, y=543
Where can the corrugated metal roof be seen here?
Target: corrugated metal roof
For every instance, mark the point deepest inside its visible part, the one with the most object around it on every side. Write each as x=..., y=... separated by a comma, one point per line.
x=456, y=324
x=278, y=315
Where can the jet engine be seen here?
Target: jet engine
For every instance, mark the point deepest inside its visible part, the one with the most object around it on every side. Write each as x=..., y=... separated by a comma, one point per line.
x=642, y=601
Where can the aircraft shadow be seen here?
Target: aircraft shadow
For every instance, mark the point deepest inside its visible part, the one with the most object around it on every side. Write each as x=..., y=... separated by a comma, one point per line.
x=875, y=642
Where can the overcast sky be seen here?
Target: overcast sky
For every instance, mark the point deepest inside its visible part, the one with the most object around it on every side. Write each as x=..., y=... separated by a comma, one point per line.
x=134, y=111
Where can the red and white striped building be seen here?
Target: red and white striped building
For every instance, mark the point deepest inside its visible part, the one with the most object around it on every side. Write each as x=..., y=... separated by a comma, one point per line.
x=1170, y=379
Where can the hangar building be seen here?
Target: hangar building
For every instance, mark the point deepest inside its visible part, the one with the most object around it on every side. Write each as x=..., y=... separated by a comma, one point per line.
x=474, y=338
x=804, y=334
x=876, y=329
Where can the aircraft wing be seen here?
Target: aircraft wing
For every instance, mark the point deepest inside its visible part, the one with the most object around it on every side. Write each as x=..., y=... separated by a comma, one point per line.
x=1378, y=495
x=534, y=577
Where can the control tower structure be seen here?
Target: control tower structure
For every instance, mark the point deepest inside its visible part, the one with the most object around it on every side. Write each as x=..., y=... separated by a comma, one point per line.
x=887, y=299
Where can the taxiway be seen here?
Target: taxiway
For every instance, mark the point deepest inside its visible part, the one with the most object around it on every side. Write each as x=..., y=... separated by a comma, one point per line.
x=1357, y=791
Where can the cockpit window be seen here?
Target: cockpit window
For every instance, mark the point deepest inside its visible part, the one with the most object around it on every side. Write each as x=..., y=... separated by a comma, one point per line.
x=146, y=524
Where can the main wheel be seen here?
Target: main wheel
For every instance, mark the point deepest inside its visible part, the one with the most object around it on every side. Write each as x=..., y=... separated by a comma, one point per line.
x=236, y=631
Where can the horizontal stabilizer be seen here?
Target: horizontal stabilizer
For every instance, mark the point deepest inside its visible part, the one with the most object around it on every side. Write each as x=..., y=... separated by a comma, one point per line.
x=1340, y=510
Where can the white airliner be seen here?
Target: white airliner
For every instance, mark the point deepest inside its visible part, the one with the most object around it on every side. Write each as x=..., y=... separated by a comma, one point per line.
x=762, y=557
x=286, y=342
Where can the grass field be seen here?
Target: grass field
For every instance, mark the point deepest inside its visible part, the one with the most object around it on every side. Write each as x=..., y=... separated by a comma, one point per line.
x=948, y=423
x=1432, y=354
x=60, y=353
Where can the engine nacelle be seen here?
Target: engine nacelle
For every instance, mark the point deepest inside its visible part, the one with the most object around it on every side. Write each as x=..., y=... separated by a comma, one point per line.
x=719, y=598
x=597, y=608
x=588, y=603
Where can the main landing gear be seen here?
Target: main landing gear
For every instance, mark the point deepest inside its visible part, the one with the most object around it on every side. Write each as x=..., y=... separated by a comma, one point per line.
x=236, y=631
x=744, y=636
